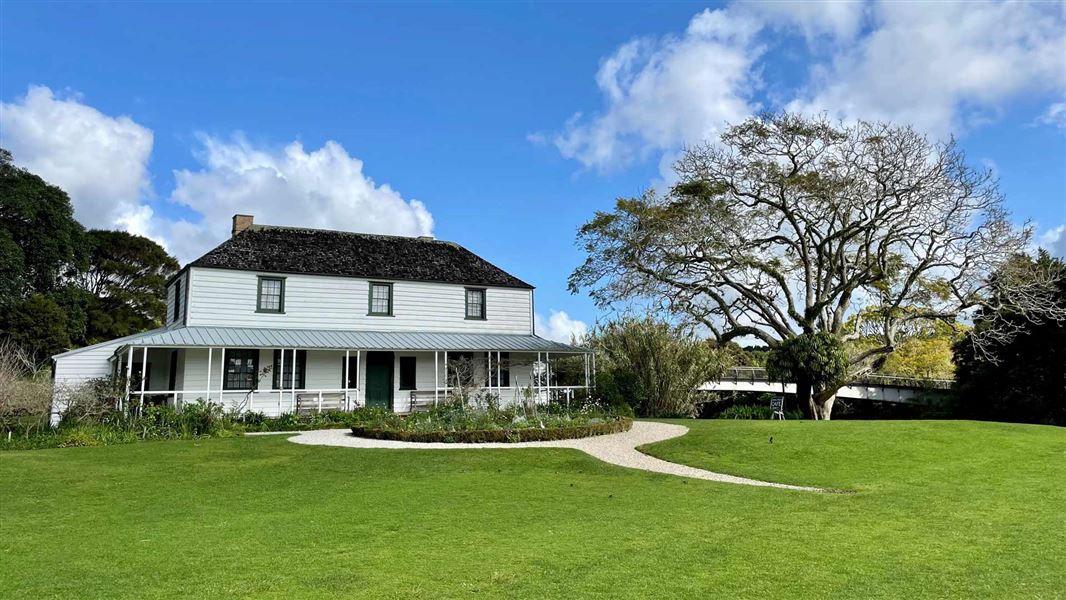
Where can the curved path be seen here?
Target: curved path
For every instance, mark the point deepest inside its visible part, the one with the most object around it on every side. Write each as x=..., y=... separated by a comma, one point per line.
x=616, y=448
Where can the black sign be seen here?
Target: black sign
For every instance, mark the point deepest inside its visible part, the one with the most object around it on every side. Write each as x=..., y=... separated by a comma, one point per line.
x=777, y=403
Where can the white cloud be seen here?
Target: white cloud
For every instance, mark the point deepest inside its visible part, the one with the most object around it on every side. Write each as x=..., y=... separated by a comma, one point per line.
x=836, y=20
x=942, y=67
x=560, y=327
x=1055, y=115
x=99, y=160
x=661, y=93
x=324, y=188
x=1054, y=241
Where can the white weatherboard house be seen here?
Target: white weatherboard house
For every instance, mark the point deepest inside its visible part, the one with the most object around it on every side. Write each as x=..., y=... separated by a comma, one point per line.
x=280, y=319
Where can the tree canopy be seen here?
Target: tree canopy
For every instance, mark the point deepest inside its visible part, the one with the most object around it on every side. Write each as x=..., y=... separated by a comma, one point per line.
x=126, y=276
x=61, y=286
x=789, y=227
x=40, y=242
x=1021, y=378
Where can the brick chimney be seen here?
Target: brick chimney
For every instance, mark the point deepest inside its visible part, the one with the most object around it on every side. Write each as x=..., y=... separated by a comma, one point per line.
x=240, y=223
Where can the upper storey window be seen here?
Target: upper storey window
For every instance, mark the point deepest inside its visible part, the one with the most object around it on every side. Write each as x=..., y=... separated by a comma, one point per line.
x=475, y=303
x=380, y=299
x=177, y=301
x=271, y=297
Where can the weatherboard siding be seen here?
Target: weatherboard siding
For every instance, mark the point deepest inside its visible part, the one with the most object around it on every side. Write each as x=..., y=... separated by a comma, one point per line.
x=222, y=297
x=76, y=369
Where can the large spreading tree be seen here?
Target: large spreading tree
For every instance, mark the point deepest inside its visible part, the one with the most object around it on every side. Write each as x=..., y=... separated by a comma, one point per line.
x=804, y=234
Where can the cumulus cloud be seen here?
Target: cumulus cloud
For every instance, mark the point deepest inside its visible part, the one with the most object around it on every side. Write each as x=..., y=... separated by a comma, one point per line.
x=1054, y=241
x=662, y=92
x=99, y=160
x=560, y=327
x=1055, y=115
x=942, y=67
x=324, y=188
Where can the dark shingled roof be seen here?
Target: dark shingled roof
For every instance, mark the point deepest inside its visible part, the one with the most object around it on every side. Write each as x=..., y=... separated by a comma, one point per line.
x=275, y=249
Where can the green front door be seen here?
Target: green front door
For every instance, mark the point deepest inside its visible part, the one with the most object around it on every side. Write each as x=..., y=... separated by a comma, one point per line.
x=379, y=379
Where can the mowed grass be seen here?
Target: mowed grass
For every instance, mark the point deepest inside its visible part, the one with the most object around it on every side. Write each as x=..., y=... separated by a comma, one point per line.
x=937, y=509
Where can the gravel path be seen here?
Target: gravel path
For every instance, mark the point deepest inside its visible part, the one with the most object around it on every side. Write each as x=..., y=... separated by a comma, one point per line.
x=617, y=449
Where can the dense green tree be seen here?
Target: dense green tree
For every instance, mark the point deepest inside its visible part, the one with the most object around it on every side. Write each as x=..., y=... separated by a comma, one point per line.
x=1020, y=378
x=126, y=277
x=36, y=324
x=40, y=242
x=789, y=226
x=809, y=359
x=85, y=287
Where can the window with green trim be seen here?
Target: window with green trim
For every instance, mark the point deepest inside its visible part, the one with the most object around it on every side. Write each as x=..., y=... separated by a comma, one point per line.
x=407, y=372
x=475, y=303
x=380, y=299
x=271, y=296
x=241, y=368
x=177, y=301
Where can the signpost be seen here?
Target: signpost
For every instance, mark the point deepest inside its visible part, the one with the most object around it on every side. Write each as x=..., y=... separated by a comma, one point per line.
x=777, y=406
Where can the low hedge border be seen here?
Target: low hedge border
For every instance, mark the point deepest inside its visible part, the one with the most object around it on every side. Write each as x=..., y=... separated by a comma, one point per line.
x=484, y=436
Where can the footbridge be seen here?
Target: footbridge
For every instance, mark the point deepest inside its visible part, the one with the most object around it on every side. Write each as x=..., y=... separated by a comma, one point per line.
x=880, y=388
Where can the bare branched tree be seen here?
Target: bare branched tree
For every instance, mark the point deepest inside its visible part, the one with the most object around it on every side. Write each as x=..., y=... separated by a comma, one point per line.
x=792, y=226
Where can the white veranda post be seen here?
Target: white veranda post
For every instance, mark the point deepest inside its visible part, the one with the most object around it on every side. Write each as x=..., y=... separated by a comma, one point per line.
x=586, y=365
x=222, y=375
x=436, y=375
x=548, y=374
x=129, y=376
x=144, y=377
x=293, y=382
x=207, y=386
x=536, y=375
x=281, y=379
x=347, y=360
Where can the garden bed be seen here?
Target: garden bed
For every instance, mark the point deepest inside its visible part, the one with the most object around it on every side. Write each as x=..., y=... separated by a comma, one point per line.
x=483, y=436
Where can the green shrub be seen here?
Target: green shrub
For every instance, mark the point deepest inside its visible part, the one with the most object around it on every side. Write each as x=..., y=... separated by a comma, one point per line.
x=744, y=411
x=758, y=411
x=653, y=366
x=78, y=437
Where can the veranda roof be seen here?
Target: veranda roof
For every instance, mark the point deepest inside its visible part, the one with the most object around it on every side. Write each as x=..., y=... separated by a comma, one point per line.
x=330, y=339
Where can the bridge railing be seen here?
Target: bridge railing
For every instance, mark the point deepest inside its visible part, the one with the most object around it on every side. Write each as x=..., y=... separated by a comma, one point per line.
x=759, y=374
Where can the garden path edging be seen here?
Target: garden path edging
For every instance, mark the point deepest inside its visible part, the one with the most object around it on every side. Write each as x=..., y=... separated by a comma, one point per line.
x=617, y=449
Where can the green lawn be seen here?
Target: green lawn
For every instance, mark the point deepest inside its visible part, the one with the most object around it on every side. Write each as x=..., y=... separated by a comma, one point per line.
x=940, y=509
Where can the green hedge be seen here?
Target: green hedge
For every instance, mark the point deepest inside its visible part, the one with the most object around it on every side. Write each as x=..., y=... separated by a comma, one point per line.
x=529, y=434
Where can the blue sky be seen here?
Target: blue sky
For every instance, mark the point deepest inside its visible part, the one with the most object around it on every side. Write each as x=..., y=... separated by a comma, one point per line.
x=460, y=118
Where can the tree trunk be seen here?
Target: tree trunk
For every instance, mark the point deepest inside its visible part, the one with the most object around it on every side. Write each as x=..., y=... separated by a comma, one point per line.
x=822, y=401
x=823, y=409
